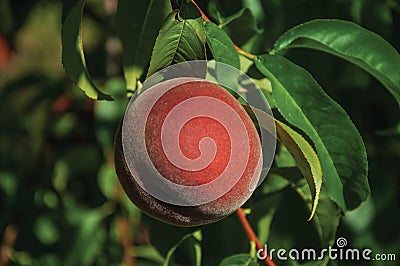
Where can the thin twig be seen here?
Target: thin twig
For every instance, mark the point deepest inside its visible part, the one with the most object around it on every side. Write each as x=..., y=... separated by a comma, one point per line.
x=243, y=52
x=252, y=236
x=201, y=12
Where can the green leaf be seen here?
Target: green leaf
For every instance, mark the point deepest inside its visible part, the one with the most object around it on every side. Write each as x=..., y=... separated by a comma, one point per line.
x=221, y=45
x=179, y=40
x=339, y=146
x=240, y=26
x=239, y=260
x=351, y=42
x=303, y=153
x=73, y=56
x=306, y=159
x=137, y=24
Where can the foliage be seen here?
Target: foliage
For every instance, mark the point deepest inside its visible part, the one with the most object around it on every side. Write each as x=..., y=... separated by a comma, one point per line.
x=60, y=201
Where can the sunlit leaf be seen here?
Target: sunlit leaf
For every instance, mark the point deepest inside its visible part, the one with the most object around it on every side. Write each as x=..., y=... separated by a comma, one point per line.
x=306, y=159
x=303, y=153
x=73, y=56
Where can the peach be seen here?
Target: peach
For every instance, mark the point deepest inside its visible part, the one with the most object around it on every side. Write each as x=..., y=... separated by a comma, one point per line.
x=218, y=137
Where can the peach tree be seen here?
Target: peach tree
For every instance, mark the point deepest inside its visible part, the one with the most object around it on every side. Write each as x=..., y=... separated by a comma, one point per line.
x=320, y=170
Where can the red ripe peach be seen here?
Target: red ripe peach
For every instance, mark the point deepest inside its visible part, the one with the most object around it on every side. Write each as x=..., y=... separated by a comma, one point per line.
x=189, y=142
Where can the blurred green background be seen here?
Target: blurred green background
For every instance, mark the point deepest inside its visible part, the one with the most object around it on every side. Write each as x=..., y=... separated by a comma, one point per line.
x=60, y=200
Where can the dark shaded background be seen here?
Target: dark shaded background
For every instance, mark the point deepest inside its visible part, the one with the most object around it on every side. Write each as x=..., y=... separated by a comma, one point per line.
x=60, y=201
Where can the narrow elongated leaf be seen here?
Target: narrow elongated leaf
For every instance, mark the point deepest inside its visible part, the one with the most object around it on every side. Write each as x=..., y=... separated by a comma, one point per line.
x=137, y=24
x=303, y=153
x=351, y=42
x=339, y=146
x=221, y=45
x=179, y=40
x=306, y=159
x=73, y=56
